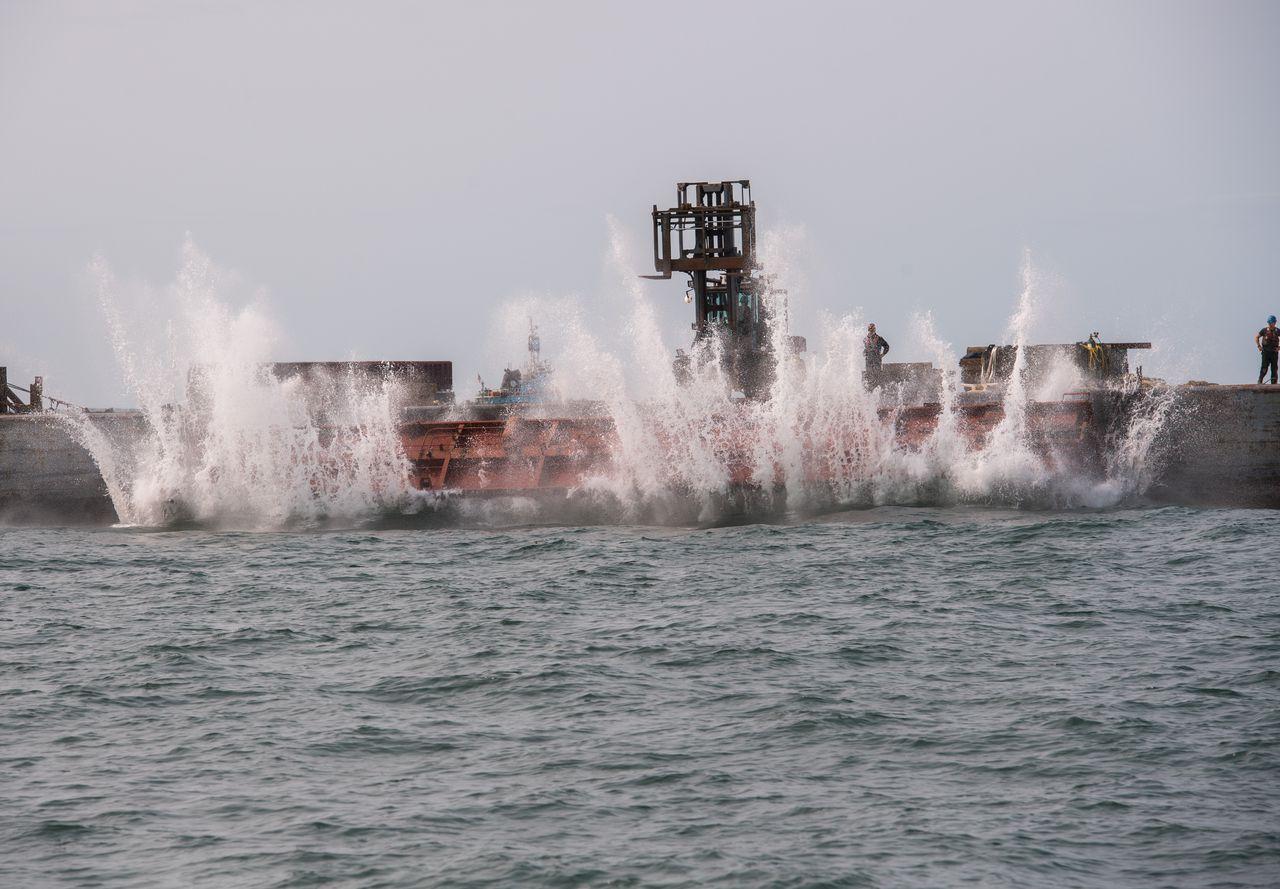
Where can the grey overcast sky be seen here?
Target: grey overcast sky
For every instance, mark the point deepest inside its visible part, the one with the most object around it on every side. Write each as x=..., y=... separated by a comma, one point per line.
x=392, y=173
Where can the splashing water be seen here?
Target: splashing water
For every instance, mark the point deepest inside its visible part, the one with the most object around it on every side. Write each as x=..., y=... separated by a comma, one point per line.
x=1134, y=454
x=252, y=450
x=1007, y=467
x=822, y=438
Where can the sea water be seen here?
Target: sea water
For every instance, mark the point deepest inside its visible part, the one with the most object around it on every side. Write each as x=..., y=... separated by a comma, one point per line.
x=886, y=697
x=287, y=668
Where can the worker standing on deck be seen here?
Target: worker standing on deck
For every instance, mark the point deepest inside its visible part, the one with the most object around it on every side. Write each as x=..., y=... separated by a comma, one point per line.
x=1268, y=340
x=874, y=348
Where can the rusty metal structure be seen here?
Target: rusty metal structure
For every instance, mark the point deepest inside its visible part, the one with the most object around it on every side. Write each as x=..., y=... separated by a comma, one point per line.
x=522, y=456
x=502, y=457
x=710, y=236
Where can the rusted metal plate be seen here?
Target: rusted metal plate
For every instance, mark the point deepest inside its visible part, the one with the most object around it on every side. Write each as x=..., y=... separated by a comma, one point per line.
x=523, y=454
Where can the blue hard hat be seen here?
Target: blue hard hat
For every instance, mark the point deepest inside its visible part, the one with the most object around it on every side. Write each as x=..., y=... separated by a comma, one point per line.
x=1271, y=319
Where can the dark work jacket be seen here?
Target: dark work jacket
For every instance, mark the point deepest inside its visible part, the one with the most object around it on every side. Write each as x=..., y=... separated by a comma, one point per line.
x=876, y=347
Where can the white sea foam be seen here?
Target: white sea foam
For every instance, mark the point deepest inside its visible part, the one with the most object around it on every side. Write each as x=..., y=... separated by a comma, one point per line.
x=251, y=450
x=821, y=438
x=248, y=449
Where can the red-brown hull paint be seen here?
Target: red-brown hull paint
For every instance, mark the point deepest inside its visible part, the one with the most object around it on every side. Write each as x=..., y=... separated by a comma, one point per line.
x=521, y=454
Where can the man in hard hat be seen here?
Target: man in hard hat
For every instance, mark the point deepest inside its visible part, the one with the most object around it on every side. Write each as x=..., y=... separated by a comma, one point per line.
x=1268, y=340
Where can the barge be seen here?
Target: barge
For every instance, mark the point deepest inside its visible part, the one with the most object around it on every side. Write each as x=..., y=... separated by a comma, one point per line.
x=1203, y=444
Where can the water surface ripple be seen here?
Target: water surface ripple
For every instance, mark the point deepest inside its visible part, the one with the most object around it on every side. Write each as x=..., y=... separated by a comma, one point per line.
x=895, y=697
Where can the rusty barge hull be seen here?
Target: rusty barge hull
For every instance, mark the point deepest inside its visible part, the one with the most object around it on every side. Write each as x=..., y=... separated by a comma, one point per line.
x=522, y=455
x=1219, y=447
x=509, y=456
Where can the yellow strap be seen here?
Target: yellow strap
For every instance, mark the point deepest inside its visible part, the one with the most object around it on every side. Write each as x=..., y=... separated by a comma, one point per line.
x=1097, y=355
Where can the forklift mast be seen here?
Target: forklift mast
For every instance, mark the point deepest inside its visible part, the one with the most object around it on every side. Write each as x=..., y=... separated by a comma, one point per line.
x=710, y=235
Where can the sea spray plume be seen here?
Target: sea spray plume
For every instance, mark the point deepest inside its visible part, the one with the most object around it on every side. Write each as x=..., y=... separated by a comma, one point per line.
x=1136, y=453
x=1133, y=451
x=675, y=444
x=651, y=356
x=1006, y=468
x=840, y=416
x=831, y=437
x=247, y=449
x=814, y=439
x=779, y=455
x=931, y=469
x=1061, y=376
x=594, y=377
x=258, y=453
x=673, y=440
x=508, y=340
x=822, y=427
x=820, y=439
x=586, y=370
x=130, y=462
